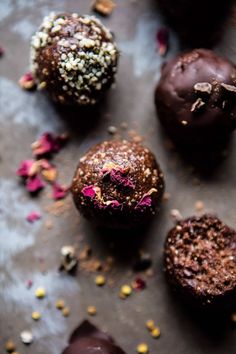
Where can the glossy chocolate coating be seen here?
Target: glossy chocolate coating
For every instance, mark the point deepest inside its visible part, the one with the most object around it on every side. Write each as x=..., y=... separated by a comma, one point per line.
x=200, y=260
x=88, y=339
x=188, y=114
x=125, y=182
x=74, y=58
x=198, y=23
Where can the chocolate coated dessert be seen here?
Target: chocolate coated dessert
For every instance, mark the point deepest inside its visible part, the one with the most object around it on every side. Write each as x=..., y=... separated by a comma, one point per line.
x=196, y=97
x=87, y=339
x=200, y=261
x=198, y=23
x=74, y=58
x=118, y=184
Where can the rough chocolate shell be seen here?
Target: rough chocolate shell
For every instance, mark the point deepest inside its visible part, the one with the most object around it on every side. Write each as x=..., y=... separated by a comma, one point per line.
x=118, y=184
x=200, y=260
x=196, y=97
x=74, y=58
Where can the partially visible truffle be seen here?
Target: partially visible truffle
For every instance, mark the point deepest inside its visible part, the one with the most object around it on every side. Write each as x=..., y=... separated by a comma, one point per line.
x=118, y=184
x=74, y=58
x=197, y=22
x=196, y=97
x=200, y=261
x=87, y=339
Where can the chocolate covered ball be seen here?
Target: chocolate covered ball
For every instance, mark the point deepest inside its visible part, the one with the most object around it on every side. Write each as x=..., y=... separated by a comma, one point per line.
x=92, y=345
x=200, y=261
x=197, y=22
x=118, y=184
x=74, y=58
x=196, y=97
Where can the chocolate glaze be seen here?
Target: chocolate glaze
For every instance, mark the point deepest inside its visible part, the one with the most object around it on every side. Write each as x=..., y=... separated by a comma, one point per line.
x=188, y=114
x=198, y=23
x=74, y=58
x=128, y=183
x=87, y=339
x=200, y=261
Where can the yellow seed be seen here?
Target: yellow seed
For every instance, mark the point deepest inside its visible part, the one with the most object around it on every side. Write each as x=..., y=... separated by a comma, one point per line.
x=36, y=315
x=91, y=310
x=142, y=348
x=150, y=325
x=66, y=311
x=10, y=346
x=60, y=304
x=126, y=290
x=156, y=332
x=100, y=280
x=40, y=293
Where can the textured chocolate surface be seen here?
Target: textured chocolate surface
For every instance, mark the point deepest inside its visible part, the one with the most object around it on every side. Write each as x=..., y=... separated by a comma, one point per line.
x=200, y=259
x=74, y=58
x=88, y=339
x=191, y=99
x=118, y=184
x=198, y=23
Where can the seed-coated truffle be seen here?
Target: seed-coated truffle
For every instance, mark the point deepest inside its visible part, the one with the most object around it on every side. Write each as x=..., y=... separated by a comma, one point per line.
x=87, y=339
x=74, y=58
x=197, y=22
x=200, y=261
x=118, y=184
x=196, y=97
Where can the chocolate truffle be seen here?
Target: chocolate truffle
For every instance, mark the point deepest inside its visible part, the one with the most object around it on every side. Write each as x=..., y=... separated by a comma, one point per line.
x=74, y=58
x=118, y=184
x=197, y=22
x=200, y=260
x=196, y=97
x=87, y=339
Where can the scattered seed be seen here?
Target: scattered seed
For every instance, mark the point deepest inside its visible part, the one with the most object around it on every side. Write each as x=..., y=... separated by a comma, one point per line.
x=199, y=205
x=156, y=332
x=36, y=315
x=100, y=280
x=40, y=293
x=126, y=290
x=10, y=346
x=91, y=310
x=142, y=348
x=103, y=7
x=150, y=325
x=60, y=304
x=112, y=130
x=26, y=337
x=66, y=311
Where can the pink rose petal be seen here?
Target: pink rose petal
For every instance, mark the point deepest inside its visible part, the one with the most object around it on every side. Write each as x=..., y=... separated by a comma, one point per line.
x=48, y=143
x=27, y=81
x=58, y=191
x=34, y=184
x=120, y=178
x=139, y=284
x=163, y=40
x=89, y=191
x=146, y=200
x=25, y=167
x=33, y=216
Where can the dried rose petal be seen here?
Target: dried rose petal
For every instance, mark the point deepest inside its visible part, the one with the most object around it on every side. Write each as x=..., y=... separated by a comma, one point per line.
x=27, y=81
x=139, y=284
x=91, y=191
x=146, y=200
x=113, y=203
x=163, y=40
x=25, y=168
x=49, y=143
x=34, y=184
x=120, y=178
x=33, y=216
x=29, y=284
x=50, y=174
x=58, y=191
